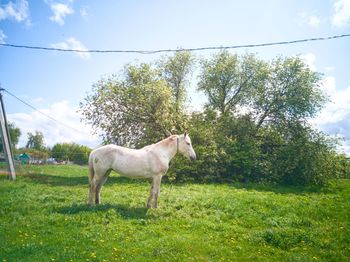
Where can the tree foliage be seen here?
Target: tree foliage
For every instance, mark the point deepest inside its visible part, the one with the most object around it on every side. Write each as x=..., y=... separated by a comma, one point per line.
x=227, y=80
x=290, y=94
x=35, y=141
x=78, y=154
x=175, y=71
x=254, y=127
x=142, y=104
x=15, y=134
x=130, y=109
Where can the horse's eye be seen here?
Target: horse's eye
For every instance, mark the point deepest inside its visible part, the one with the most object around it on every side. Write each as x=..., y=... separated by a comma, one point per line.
x=188, y=143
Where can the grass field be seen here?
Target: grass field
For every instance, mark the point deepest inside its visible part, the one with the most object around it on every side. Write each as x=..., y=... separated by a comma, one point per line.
x=43, y=217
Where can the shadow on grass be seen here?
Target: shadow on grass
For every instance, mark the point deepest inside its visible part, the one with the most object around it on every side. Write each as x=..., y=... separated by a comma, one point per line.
x=54, y=180
x=124, y=211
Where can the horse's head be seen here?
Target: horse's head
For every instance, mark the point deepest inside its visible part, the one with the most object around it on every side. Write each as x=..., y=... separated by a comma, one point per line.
x=185, y=146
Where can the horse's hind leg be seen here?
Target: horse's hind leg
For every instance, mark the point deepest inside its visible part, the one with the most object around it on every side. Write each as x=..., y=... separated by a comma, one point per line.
x=91, y=182
x=91, y=193
x=98, y=191
x=97, y=194
x=99, y=183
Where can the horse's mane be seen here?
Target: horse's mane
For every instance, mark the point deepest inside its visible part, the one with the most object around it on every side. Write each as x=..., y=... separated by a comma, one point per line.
x=165, y=141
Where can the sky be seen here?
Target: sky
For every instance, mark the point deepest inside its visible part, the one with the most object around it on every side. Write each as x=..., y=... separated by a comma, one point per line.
x=56, y=82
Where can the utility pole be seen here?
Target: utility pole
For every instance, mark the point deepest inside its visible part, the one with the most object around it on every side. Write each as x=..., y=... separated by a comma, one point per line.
x=5, y=136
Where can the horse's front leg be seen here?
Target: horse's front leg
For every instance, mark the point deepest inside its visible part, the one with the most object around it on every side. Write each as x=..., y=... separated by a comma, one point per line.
x=154, y=193
x=159, y=180
x=149, y=202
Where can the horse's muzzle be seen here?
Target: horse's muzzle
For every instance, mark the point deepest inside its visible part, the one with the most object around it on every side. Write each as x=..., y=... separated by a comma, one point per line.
x=193, y=158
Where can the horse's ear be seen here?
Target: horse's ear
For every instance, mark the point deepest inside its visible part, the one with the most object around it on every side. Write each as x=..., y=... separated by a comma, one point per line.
x=168, y=133
x=185, y=134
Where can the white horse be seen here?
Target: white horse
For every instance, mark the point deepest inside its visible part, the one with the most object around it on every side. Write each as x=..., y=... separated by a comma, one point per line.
x=149, y=162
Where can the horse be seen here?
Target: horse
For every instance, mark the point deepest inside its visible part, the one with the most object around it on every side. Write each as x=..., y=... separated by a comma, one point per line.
x=151, y=161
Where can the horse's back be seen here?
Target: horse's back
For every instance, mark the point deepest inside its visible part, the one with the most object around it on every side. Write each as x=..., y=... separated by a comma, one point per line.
x=125, y=161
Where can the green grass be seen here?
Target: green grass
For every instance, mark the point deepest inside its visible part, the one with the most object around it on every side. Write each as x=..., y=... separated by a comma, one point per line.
x=43, y=217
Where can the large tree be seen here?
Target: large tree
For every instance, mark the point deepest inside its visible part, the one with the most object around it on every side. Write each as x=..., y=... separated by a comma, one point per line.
x=35, y=141
x=265, y=141
x=15, y=133
x=127, y=108
x=289, y=95
x=227, y=80
x=175, y=70
x=141, y=105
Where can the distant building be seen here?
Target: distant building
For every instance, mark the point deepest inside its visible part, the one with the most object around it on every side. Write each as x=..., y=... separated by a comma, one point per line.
x=24, y=158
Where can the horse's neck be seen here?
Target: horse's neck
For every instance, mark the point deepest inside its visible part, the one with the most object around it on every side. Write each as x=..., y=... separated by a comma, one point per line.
x=166, y=148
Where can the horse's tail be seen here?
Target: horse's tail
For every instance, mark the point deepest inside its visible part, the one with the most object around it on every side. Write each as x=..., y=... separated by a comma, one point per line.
x=91, y=177
x=91, y=169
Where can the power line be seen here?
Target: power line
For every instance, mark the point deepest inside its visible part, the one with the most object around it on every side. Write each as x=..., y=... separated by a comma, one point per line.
x=37, y=110
x=148, y=52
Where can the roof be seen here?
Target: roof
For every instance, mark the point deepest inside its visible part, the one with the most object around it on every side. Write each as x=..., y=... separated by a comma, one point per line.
x=24, y=156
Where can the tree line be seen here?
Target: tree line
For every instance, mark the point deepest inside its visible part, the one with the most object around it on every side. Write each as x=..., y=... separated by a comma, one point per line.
x=253, y=127
x=36, y=149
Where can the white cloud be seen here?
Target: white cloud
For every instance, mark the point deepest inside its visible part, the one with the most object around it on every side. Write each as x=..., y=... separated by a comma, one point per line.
x=334, y=119
x=328, y=85
x=55, y=132
x=329, y=68
x=341, y=16
x=314, y=21
x=74, y=44
x=2, y=37
x=37, y=100
x=311, y=20
x=309, y=59
x=84, y=11
x=18, y=11
x=60, y=11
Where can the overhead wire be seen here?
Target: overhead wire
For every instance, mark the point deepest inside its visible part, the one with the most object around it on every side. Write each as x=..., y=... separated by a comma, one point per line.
x=148, y=52
x=39, y=111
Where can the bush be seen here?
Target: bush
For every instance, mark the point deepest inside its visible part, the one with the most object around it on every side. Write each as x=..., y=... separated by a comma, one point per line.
x=232, y=149
x=71, y=152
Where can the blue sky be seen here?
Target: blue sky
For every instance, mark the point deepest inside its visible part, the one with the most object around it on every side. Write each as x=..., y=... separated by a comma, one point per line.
x=56, y=82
